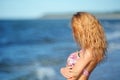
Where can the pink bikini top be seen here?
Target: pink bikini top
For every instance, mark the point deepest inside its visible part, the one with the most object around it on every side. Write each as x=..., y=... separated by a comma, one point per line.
x=72, y=60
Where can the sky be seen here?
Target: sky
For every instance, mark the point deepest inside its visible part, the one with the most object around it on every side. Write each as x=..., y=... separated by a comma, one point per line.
x=30, y=9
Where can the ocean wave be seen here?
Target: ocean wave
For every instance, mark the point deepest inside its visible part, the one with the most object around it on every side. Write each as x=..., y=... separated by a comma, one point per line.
x=45, y=73
x=113, y=35
x=113, y=47
x=34, y=71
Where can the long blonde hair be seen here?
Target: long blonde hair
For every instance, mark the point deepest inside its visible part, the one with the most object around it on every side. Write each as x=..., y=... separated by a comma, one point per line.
x=89, y=33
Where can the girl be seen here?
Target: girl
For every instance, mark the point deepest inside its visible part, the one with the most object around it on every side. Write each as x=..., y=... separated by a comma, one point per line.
x=89, y=36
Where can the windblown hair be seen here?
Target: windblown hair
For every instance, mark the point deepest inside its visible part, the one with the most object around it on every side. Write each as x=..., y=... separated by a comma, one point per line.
x=88, y=33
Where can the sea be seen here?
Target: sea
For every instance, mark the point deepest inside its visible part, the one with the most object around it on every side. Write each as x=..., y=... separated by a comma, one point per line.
x=37, y=49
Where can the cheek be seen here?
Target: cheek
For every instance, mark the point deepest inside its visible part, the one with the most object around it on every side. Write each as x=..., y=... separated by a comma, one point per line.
x=75, y=33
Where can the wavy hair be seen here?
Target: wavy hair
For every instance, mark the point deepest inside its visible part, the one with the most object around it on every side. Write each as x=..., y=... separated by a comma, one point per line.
x=88, y=33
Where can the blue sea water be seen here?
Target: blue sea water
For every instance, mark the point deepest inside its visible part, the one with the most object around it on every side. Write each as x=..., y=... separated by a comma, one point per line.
x=37, y=49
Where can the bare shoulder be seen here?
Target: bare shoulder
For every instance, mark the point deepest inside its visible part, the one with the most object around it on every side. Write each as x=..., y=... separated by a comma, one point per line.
x=87, y=55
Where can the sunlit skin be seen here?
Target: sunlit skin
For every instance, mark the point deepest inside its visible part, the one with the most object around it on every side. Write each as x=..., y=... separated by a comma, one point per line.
x=89, y=35
x=85, y=61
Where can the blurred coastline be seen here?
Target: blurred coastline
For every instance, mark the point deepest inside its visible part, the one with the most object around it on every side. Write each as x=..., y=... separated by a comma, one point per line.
x=107, y=15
